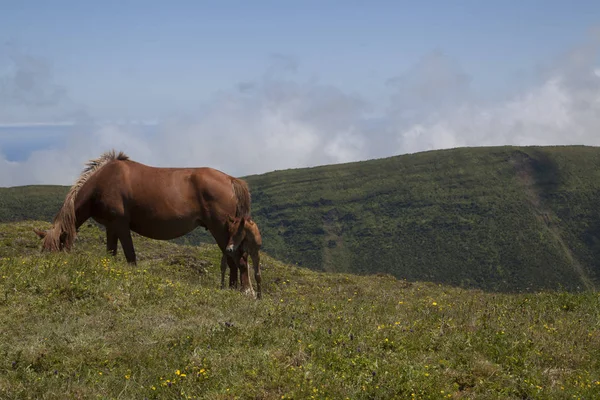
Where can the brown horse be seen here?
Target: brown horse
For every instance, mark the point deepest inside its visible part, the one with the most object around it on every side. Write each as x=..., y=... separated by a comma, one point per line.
x=158, y=203
x=244, y=234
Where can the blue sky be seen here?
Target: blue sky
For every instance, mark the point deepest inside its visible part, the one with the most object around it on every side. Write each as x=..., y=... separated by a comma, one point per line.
x=297, y=83
x=149, y=59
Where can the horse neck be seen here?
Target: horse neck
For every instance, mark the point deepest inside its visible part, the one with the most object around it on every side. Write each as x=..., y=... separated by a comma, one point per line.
x=83, y=205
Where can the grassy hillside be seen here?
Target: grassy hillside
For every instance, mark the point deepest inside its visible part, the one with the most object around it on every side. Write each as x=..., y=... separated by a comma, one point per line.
x=82, y=325
x=494, y=218
x=501, y=218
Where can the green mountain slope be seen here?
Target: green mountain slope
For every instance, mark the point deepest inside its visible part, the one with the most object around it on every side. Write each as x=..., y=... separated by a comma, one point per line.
x=500, y=218
x=83, y=325
x=496, y=218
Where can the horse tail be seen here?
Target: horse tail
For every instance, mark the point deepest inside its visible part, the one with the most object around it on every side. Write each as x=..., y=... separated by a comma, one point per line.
x=242, y=194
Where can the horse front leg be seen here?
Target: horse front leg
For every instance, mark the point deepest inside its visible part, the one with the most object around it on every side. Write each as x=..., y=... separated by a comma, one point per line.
x=127, y=244
x=233, y=272
x=112, y=240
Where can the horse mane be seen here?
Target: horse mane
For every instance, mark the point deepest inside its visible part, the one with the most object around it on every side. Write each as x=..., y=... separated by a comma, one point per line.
x=64, y=221
x=242, y=194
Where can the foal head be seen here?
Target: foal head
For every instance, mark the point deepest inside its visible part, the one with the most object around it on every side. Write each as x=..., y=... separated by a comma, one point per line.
x=237, y=233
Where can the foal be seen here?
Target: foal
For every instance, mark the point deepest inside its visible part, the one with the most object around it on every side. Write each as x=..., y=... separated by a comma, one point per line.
x=244, y=231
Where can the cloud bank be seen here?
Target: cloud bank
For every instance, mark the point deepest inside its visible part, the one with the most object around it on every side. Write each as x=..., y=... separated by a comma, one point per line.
x=280, y=121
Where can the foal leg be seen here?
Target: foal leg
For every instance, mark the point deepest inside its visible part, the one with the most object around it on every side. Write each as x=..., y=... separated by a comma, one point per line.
x=223, y=270
x=257, y=277
x=127, y=244
x=245, y=277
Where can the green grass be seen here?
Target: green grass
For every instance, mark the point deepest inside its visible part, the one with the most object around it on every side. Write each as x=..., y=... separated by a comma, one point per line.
x=503, y=219
x=82, y=325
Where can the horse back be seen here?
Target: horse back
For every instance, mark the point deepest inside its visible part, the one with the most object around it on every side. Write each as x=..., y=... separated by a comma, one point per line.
x=167, y=191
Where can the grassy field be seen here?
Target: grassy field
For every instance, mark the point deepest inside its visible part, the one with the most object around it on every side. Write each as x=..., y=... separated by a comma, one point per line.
x=82, y=325
x=510, y=219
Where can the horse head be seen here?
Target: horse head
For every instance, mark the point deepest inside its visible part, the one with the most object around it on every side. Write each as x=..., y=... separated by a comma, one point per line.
x=51, y=239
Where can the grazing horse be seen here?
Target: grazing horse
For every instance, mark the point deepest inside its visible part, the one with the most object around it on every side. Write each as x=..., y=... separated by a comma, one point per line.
x=244, y=234
x=158, y=203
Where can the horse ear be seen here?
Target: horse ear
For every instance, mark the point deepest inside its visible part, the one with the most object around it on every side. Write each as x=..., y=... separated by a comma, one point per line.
x=41, y=234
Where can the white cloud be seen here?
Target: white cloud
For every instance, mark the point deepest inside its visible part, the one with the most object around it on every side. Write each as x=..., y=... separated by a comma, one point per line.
x=347, y=146
x=279, y=121
x=564, y=109
x=273, y=123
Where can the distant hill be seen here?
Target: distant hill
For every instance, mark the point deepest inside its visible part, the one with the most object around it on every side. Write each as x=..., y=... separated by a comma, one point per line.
x=40, y=202
x=496, y=218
